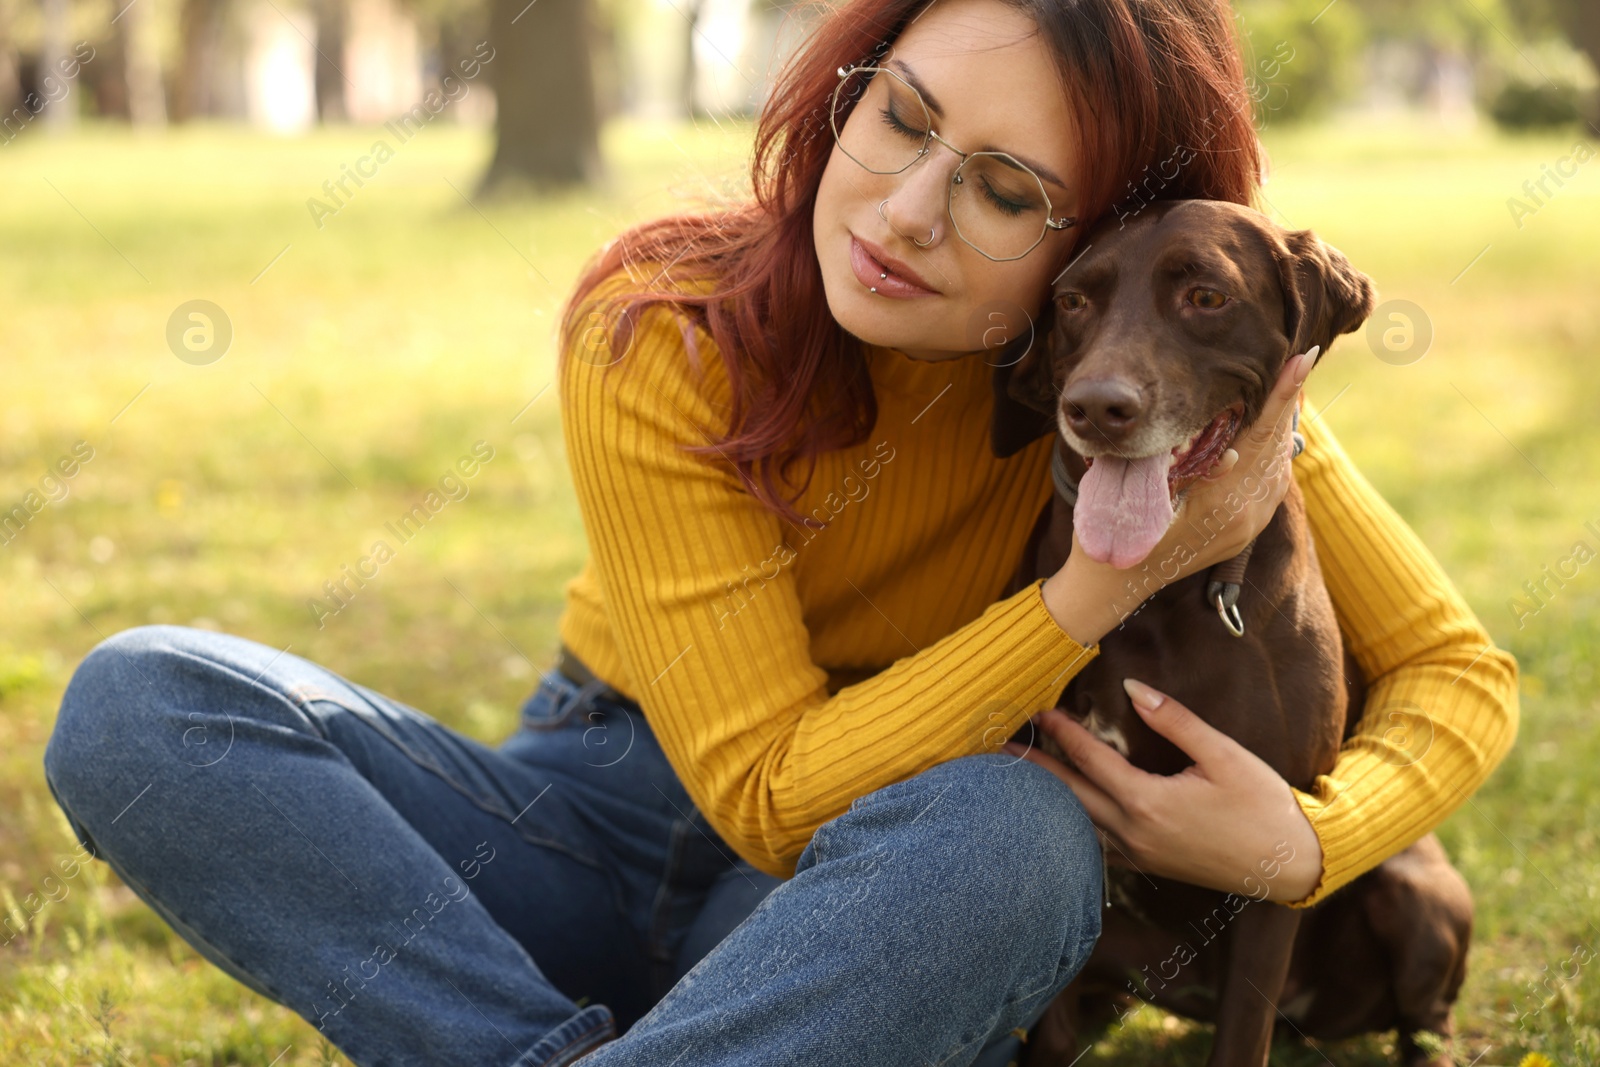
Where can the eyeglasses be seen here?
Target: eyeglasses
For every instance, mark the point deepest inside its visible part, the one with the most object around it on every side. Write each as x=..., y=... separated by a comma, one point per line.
x=996, y=203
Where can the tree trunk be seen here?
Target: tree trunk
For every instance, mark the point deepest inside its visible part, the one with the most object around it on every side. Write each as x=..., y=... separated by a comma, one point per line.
x=191, y=83
x=1582, y=20
x=546, y=126
x=691, y=69
x=10, y=73
x=330, y=15
x=141, y=67
x=63, y=112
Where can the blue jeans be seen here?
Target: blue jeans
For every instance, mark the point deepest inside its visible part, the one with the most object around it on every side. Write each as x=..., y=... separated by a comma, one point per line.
x=425, y=899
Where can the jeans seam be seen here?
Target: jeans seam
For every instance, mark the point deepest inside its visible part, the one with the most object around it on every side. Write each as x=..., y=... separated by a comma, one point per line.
x=253, y=981
x=1085, y=947
x=289, y=697
x=486, y=804
x=556, y=1057
x=660, y=912
x=565, y=696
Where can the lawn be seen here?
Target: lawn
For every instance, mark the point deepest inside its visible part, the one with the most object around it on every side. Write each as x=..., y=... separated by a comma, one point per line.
x=369, y=352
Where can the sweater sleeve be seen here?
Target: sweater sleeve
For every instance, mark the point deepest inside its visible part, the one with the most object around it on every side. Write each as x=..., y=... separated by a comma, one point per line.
x=1441, y=708
x=700, y=594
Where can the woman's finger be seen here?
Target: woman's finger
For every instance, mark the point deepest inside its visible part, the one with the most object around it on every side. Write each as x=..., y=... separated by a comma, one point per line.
x=1273, y=422
x=1095, y=760
x=1266, y=447
x=1198, y=739
x=1263, y=439
x=1225, y=463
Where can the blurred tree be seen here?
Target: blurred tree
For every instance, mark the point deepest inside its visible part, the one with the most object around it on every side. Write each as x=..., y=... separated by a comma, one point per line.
x=691, y=18
x=199, y=27
x=1578, y=20
x=329, y=78
x=141, y=67
x=1299, y=55
x=54, y=47
x=1525, y=105
x=10, y=73
x=547, y=128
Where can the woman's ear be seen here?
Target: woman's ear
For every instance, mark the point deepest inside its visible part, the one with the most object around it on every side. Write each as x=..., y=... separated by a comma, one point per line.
x=1024, y=397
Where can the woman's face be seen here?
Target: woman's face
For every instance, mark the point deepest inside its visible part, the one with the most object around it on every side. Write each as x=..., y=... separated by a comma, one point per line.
x=990, y=84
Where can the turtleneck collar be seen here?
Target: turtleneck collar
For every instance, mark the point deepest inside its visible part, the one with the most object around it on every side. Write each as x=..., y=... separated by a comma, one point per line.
x=895, y=371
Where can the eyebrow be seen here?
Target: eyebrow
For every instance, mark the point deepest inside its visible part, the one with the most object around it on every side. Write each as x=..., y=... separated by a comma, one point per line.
x=904, y=70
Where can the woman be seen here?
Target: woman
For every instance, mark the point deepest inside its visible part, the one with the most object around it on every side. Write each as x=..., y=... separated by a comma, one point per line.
x=756, y=814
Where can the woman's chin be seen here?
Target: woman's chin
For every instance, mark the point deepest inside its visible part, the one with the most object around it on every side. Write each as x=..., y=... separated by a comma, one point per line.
x=875, y=320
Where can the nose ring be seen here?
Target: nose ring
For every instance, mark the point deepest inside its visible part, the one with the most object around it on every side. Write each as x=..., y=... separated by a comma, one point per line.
x=885, y=218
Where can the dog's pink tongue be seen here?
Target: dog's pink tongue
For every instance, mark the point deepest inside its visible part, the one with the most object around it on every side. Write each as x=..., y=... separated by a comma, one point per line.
x=1123, y=508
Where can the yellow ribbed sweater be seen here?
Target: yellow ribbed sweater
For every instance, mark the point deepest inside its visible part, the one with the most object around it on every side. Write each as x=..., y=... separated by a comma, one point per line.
x=788, y=671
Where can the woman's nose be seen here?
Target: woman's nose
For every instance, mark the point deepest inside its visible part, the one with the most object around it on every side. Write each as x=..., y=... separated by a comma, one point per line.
x=918, y=209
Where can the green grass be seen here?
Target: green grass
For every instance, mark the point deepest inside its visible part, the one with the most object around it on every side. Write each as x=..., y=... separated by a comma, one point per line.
x=377, y=349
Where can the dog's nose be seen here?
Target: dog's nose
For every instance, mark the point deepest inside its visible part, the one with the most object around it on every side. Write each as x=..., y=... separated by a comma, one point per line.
x=1103, y=409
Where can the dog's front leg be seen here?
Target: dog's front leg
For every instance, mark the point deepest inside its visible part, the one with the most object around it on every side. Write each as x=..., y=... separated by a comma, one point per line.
x=1259, y=947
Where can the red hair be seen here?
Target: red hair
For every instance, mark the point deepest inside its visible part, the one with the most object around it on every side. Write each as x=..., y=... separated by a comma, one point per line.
x=1159, y=92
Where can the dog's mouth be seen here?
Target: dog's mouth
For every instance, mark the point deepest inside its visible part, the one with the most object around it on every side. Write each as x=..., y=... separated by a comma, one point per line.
x=1125, y=505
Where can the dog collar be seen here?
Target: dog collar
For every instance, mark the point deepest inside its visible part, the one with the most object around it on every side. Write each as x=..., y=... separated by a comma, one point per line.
x=1066, y=488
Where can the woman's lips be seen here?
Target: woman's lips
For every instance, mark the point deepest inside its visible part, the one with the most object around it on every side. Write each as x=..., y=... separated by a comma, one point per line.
x=869, y=262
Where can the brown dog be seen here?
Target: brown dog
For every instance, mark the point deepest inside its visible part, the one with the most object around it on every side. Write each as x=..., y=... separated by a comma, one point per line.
x=1167, y=336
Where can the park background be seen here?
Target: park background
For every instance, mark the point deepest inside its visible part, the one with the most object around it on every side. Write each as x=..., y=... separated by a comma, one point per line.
x=364, y=336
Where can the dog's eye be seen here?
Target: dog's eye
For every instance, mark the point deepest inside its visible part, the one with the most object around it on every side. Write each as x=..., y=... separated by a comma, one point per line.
x=1209, y=299
x=1072, y=300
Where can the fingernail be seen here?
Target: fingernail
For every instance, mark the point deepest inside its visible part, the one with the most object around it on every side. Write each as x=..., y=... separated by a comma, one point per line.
x=1013, y=748
x=1307, y=361
x=1144, y=698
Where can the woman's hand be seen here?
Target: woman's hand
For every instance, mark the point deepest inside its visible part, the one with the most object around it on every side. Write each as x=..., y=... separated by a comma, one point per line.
x=1226, y=508
x=1228, y=822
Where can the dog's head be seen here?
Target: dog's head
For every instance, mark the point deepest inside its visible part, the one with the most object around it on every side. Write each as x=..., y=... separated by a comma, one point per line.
x=1165, y=338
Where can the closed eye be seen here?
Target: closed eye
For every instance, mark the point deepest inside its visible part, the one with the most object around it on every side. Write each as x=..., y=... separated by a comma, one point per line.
x=892, y=119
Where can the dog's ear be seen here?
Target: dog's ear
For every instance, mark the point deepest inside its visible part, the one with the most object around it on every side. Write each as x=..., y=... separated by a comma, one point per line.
x=1323, y=295
x=1024, y=398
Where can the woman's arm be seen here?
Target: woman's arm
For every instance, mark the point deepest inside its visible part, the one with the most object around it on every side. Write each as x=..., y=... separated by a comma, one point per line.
x=1441, y=709
x=701, y=597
